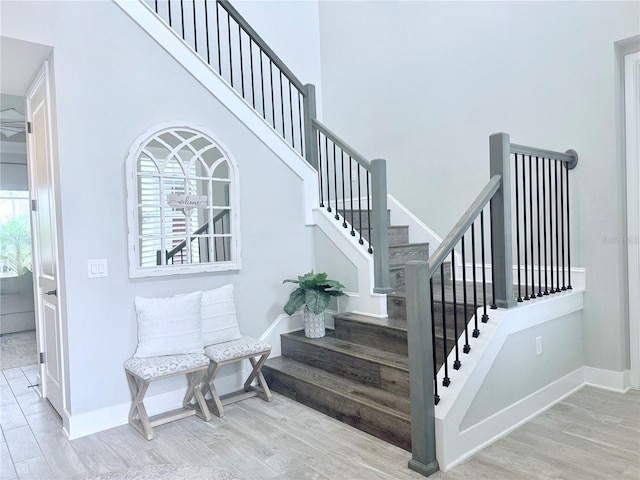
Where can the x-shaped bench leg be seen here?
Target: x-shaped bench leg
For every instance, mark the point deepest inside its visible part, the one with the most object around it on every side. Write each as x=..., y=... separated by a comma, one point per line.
x=262, y=389
x=193, y=391
x=208, y=386
x=138, y=389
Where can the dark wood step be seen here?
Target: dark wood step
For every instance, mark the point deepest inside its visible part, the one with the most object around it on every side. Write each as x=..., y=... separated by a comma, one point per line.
x=388, y=334
x=370, y=366
x=377, y=412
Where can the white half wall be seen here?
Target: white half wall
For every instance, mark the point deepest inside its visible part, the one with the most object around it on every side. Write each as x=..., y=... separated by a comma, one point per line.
x=503, y=382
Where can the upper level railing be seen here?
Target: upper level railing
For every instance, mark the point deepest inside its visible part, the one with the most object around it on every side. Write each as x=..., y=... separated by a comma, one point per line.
x=217, y=32
x=527, y=201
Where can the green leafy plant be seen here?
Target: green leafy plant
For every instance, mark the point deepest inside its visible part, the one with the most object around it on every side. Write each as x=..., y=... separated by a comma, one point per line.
x=15, y=243
x=315, y=291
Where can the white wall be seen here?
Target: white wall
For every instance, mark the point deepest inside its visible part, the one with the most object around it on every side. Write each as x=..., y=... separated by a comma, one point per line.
x=112, y=82
x=424, y=84
x=292, y=30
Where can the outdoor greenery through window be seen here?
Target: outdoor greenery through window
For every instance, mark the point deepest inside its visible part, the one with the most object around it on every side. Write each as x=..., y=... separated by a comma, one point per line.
x=15, y=233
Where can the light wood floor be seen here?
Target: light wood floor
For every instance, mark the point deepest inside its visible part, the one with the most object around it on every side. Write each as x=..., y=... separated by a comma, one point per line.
x=594, y=434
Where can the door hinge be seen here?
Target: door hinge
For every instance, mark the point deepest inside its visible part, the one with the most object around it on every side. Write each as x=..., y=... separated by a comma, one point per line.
x=28, y=127
x=34, y=205
x=41, y=357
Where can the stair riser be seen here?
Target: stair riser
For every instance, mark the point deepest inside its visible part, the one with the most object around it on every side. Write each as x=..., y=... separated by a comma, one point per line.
x=379, y=423
x=396, y=280
x=371, y=373
x=399, y=255
x=371, y=335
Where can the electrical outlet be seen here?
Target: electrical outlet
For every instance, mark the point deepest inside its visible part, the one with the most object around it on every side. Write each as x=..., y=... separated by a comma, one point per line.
x=538, y=346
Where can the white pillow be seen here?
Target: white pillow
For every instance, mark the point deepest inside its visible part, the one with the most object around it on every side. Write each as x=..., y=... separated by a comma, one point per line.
x=169, y=326
x=218, y=314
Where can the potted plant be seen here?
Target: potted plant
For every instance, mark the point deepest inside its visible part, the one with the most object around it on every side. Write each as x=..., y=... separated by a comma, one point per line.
x=314, y=293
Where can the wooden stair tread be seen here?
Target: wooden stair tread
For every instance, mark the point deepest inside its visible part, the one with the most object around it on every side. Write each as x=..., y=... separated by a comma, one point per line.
x=389, y=403
x=391, y=323
x=375, y=355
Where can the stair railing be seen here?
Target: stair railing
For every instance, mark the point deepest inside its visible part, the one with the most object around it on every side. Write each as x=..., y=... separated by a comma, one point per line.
x=217, y=32
x=539, y=191
x=355, y=191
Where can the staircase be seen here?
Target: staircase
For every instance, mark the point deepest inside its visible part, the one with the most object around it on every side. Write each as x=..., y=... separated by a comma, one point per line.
x=359, y=372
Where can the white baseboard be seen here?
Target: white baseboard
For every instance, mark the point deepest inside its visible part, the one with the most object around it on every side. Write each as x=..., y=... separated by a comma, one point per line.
x=95, y=421
x=515, y=415
x=607, y=379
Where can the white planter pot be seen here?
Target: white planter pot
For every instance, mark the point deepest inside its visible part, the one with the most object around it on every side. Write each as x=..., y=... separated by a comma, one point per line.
x=313, y=324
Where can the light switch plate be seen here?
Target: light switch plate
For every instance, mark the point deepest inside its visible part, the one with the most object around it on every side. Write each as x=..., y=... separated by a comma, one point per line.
x=97, y=268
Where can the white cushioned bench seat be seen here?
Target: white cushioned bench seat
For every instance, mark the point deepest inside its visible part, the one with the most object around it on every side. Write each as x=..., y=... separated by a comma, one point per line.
x=154, y=367
x=243, y=347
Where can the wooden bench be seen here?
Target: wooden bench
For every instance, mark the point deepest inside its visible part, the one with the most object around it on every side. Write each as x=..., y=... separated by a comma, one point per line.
x=141, y=372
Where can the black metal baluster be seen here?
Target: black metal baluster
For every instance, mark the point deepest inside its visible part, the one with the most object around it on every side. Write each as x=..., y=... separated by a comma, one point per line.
x=557, y=230
x=551, y=290
x=253, y=90
x=562, y=170
x=335, y=182
x=156, y=5
x=206, y=27
x=264, y=110
x=467, y=347
x=476, y=331
x=456, y=363
x=445, y=381
x=241, y=61
x=532, y=243
x=326, y=151
x=370, y=249
x=218, y=37
x=282, y=105
x=569, y=287
x=230, y=52
x=360, y=240
x=293, y=138
x=436, y=397
x=273, y=104
x=344, y=197
x=493, y=269
x=524, y=222
x=353, y=233
x=300, y=114
x=544, y=226
x=169, y=10
x=320, y=169
x=182, y=16
x=485, y=316
x=195, y=33
x=518, y=228
x=538, y=226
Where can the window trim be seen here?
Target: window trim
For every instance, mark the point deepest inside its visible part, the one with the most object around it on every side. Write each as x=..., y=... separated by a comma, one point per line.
x=132, y=201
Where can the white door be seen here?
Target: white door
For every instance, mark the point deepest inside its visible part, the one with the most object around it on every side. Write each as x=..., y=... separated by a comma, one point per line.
x=43, y=220
x=632, y=123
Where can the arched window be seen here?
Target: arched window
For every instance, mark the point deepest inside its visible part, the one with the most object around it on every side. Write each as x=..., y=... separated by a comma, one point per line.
x=182, y=200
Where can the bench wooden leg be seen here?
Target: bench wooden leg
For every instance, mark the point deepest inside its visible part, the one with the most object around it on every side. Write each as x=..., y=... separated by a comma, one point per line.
x=208, y=386
x=262, y=389
x=193, y=391
x=138, y=389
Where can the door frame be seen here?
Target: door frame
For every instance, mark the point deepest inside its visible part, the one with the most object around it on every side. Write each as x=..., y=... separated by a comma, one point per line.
x=628, y=120
x=43, y=77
